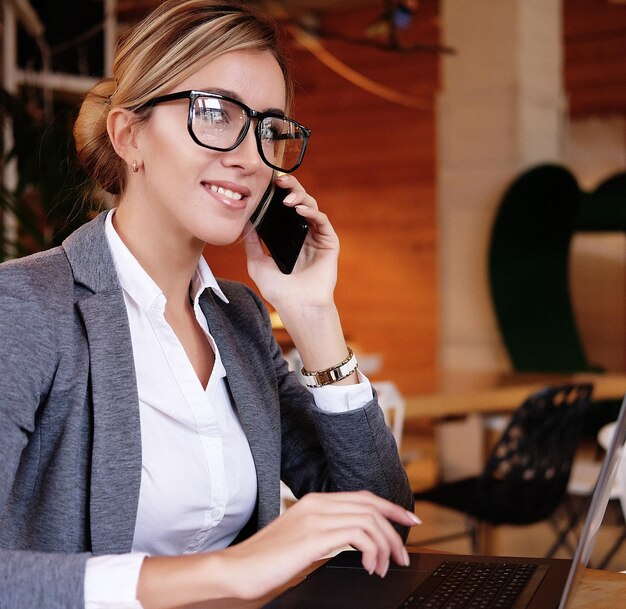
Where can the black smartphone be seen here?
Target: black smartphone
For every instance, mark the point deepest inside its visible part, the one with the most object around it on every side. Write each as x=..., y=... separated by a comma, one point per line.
x=282, y=230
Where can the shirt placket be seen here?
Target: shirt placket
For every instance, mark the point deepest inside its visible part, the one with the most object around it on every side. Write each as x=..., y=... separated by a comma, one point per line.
x=207, y=427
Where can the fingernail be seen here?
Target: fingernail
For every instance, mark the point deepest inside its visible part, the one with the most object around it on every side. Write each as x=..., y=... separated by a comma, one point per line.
x=290, y=198
x=414, y=517
x=407, y=560
x=282, y=178
x=385, y=569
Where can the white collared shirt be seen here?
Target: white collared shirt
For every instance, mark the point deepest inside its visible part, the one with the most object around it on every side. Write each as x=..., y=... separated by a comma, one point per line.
x=197, y=469
x=198, y=482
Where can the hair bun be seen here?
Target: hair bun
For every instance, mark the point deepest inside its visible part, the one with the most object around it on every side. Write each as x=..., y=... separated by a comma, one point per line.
x=93, y=146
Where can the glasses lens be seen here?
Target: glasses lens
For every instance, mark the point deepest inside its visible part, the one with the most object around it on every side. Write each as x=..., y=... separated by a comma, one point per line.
x=217, y=122
x=282, y=142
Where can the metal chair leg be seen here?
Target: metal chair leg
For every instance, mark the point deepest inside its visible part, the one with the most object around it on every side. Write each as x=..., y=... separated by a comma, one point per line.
x=614, y=548
x=562, y=533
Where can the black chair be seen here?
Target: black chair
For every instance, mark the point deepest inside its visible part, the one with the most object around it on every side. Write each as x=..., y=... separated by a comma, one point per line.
x=526, y=475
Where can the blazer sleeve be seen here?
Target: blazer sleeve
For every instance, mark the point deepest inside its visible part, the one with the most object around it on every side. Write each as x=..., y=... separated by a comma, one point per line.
x=346, y=451
x=325, y=452
x=37, y=580
x=28, y=580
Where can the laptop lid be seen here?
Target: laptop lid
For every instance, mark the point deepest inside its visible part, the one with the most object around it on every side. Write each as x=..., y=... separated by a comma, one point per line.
x=597, y=508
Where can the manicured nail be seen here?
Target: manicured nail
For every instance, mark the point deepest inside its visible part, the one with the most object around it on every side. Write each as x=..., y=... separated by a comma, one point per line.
x=405, y=555
x=290, y=198
x=385, y=569
x=416, y=519
x=282, y=178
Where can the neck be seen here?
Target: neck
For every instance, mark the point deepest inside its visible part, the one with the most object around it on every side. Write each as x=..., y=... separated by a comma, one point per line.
x=168, y=256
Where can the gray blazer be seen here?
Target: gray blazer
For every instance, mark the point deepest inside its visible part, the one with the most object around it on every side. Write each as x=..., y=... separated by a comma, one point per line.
x=70, y=445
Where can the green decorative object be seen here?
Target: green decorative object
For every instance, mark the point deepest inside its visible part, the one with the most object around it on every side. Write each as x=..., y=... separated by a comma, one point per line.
x=529, y=262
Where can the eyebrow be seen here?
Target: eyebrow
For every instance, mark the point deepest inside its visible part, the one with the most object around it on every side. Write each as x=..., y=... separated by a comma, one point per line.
x=234, y=95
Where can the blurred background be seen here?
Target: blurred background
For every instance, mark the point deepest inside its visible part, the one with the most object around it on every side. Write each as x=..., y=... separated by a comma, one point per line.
x=423, y=113
x=471, y=155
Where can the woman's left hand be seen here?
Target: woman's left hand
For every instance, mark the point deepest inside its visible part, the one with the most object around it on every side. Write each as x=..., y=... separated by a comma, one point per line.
x=312, y=281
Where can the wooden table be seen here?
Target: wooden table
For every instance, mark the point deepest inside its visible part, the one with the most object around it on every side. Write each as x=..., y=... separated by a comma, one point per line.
x=600, y=590
x=464, y=392
x=480, y=395
x=596, y=590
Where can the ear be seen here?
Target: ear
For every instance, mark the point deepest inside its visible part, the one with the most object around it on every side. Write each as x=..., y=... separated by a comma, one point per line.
x=123, y=128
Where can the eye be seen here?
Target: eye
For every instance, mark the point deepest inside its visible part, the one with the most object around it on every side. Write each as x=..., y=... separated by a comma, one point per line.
x=213, y=117
x=269, y=131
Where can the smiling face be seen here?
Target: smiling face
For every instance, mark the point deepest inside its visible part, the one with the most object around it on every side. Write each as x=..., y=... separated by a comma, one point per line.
x=197, y=193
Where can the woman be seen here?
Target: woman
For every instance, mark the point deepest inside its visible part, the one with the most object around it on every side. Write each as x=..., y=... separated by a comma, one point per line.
x=146, y=413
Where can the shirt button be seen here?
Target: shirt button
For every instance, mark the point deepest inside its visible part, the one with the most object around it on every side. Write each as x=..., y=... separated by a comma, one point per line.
x=215, y=514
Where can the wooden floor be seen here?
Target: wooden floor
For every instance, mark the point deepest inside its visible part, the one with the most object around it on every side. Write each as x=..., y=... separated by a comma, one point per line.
x=418, y=452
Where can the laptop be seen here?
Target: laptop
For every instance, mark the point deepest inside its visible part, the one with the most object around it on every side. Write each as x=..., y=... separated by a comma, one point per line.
x=456, y=580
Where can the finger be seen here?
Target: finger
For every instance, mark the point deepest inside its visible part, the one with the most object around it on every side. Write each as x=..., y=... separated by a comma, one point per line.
x=300, y=198
x=388, y=541
x=369, y=519
x=319, y=220
x=357, y=530
x=348, y=502
x=396, y=513
x=252, y=246
x=391, y=510
x=344, y=499
x=297, y=195
x=339, y=538
x=387, y=508
x=288, y=181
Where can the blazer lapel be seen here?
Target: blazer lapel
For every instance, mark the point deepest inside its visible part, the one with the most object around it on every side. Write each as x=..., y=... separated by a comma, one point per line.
x=257, y=410
x=116, y=453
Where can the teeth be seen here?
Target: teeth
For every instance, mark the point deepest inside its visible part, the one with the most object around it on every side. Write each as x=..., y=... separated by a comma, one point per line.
x=227, y=193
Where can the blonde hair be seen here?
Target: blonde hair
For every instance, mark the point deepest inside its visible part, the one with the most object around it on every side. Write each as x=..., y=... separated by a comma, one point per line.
x=170, y=44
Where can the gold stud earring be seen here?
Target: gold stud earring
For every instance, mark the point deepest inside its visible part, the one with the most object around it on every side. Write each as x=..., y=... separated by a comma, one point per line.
x=134, y=167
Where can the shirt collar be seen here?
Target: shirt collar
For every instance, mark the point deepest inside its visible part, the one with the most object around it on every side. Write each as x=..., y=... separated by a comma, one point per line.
x=139, y=285
x=202, y=279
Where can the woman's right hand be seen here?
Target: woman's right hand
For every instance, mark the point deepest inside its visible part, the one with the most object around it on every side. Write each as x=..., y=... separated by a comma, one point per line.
x=316, y=526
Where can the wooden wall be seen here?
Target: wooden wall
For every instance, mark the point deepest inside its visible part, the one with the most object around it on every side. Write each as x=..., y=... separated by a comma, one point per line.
x=595, y=80
x=595, y=57
x=371, y=166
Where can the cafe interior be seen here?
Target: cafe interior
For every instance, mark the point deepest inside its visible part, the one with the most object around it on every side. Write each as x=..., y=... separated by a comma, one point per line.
x=472, y=158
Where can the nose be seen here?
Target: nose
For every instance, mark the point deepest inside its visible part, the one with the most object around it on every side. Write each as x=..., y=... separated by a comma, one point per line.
x=246, y=155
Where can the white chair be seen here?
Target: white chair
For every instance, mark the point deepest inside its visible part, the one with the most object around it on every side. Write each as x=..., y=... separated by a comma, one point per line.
x=583, y=478
x=392, y=404
x=287, y=498
x=619, y=489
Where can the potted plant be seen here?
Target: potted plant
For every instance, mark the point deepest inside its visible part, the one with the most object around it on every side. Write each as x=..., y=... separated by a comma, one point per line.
x=48, y=200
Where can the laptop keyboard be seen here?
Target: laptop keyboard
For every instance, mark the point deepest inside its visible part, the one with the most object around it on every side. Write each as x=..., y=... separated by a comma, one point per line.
x=471, y=585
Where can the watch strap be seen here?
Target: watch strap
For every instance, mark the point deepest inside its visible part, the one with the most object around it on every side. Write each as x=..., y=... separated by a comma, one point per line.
x=344, y=369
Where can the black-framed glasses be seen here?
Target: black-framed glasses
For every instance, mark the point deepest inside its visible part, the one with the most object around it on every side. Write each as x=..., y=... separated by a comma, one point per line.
x=221, y=123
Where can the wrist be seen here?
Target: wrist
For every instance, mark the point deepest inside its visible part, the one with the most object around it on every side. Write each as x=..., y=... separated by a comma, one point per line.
x=172, y=581
x=317, y=335
x=295, y=315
